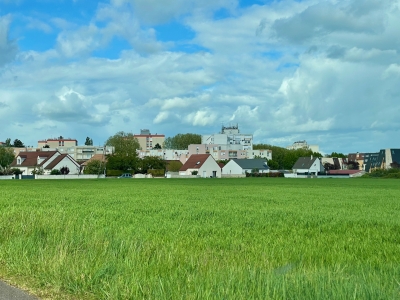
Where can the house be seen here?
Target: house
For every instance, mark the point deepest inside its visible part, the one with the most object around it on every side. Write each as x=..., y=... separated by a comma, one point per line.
x=308, y=166
x=47, y=161
x=204, y=164
x=385, y=159
x=241, y=166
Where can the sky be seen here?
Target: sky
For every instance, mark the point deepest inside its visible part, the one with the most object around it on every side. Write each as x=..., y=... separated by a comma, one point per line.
x=324, y=71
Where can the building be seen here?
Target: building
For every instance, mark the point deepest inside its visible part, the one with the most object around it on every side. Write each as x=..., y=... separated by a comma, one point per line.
x=357, y=157
x=204, y=165
x=241, y=166
x=148, y=141
x=166, y=154
x=308, y=166
x=303, y=145
x=231, y=138
x=57, y=142
x=384, y=159
x=225, y=152
x=47, y=161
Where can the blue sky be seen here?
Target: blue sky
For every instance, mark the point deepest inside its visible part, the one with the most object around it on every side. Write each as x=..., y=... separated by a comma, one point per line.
x=322, y=71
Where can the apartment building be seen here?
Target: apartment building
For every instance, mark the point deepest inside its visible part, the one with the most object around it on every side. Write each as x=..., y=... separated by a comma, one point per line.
x=57, y=142
x=230, y=137
x=148, y=141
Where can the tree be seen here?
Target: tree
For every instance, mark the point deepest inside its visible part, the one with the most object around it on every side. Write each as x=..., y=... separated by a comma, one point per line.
x=6, y=156
x=89, y=141
x=55, y=172
x=151, y=163
x=182, y=141
x=283, y=158
x=174, y=165
x=339, y=155
x=64, y=170
x=157, y=146
x=125, y=157
x=353, y=165
x=95, y=167
x=8, y=143
x=329, y=166
x=18, y=143
x=46, y=146
x=37, y=171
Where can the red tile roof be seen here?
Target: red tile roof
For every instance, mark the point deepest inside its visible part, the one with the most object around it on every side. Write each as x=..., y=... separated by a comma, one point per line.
x=195, y=161
x=31, y=158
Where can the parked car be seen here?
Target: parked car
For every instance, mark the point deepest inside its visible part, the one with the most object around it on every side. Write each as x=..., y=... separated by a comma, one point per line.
x=125, y=175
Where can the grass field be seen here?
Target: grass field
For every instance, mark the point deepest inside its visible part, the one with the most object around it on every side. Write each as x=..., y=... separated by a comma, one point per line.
x=252, y=238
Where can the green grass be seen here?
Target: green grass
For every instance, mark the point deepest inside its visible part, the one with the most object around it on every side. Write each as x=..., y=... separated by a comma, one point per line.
x=252, y=238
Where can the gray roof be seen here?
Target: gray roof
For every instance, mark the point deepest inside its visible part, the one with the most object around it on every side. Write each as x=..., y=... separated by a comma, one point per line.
x=304, y=162
x=256, y=163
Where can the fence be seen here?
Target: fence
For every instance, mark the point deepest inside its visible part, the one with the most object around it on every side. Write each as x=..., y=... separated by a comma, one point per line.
x=69, y=176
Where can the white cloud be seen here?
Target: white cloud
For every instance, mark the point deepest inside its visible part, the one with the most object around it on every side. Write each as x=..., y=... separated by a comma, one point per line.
x=201, y=118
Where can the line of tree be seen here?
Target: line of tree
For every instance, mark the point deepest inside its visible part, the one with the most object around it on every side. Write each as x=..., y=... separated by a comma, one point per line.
x=182, y=141
x=17, y=143
x=284, y=159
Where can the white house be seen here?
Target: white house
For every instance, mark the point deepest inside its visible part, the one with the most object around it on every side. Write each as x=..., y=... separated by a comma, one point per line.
x=241, y=166
x=204, y=164
x=308, y=166
x=46, y=161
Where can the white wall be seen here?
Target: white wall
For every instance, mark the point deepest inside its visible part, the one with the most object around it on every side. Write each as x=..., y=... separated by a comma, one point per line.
x=232, y=168
x=209, y=166
x=68, y=176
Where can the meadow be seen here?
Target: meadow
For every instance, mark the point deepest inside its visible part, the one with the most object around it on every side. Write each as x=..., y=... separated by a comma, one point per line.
x=250, y=238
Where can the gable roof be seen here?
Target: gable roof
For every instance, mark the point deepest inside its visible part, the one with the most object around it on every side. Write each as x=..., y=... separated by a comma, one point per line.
x=31, y=158
x=58, y=159
x=256, y=163
x=195, y=161
x=304, y=162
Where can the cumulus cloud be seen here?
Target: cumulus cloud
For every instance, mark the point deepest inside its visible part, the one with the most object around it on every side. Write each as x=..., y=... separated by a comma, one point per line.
x=201, y=118
x=70, y=106
x=284, y=70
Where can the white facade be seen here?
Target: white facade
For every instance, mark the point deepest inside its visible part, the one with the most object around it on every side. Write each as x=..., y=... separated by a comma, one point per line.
x=166, y=154
x=209, y=168
x=231, y=138
x=223, y=152
x=303, y=145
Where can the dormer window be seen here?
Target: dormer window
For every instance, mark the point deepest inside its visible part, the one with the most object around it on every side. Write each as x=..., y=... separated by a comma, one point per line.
x=18, y=160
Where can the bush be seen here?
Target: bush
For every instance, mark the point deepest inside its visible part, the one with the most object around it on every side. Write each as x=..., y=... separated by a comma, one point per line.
x=195, y=172
x=381, y=173
x=55, y=172
x=117, y=173
x=156, y=172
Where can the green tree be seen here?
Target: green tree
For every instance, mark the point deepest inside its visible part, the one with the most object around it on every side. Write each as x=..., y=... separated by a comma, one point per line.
x=182, y=141
x=55, y=172
x=95, y=166
x=174, y=165
x=8, y=143
x=157, y=146
x=151, y=163
x=284, y=159
x=18, y=143
x=6, y=156
x=125, y=157
x=89, y=141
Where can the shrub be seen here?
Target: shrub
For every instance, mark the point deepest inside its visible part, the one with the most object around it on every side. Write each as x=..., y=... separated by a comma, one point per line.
x=195, y=172
x=156, y=172
x=55, y=172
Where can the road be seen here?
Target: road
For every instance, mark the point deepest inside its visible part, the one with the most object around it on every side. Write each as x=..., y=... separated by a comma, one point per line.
x=8, y=292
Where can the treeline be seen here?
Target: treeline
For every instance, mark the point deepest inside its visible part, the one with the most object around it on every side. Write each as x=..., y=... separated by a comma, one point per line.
x=284, y=159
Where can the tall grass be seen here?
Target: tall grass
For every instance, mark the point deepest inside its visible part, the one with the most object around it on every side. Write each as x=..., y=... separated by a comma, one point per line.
x=252, y=238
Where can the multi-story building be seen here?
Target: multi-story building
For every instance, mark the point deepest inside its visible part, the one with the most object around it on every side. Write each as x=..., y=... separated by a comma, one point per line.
x=166, y=154
x=231, y=138
x=303, y=145
x=225, y=152
x=57, y=142
x=148, y=141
